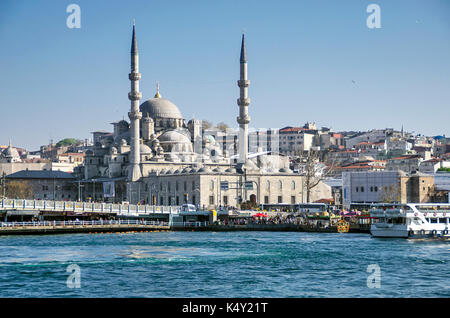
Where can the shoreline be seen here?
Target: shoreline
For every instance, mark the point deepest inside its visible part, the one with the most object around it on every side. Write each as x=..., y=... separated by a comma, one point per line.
x=112, y=228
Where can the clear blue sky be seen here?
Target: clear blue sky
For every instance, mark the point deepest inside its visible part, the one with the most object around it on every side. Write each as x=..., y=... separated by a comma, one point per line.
x=57, y=82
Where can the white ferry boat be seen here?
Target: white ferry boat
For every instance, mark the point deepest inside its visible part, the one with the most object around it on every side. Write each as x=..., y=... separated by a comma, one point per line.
x=412, y=220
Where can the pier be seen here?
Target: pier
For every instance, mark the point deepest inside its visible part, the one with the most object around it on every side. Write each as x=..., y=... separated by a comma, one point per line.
x=22, y=217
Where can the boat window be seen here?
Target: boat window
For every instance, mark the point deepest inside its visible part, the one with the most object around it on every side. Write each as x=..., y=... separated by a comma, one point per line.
x=433, y=220
x=442, y=220
x=399, y=221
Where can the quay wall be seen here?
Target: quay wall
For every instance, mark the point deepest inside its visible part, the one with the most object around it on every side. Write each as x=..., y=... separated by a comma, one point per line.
x=38, y=230
x=266, y=227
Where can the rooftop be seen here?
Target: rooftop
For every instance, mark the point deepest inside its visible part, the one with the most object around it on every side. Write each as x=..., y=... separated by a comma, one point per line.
x=40, y=174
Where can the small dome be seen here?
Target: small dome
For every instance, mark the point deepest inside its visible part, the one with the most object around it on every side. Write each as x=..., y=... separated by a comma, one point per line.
x=145, y=150
x=174, y=136
x=176, y=141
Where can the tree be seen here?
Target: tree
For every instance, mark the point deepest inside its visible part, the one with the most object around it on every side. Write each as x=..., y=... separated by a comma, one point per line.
x=314, y=171
x=222, y=126
x=68, y=142
x=248, y=205
x=206, y=124
x=18, y=190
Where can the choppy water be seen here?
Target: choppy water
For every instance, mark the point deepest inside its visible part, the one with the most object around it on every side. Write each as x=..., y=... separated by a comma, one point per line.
x=222, y=264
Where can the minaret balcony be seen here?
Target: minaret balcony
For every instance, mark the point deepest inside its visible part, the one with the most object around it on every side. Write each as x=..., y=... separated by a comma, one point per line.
x=243, y=83
x=243, y=120
x=243, y=101
x=134, y=76
x=134, y=95
x=134, y=115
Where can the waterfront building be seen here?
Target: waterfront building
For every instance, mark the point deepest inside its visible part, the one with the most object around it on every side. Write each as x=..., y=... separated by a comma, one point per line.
x=387, y=187
x=47, y=185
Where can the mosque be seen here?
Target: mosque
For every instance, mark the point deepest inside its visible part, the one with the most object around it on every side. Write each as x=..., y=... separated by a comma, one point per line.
x=158, y=158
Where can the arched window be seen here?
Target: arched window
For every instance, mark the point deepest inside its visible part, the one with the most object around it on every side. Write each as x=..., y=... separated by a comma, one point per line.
x=211, y=185
x=193, y=185
x=268, y=185
x=280, y=185
x=293, y=185
x=185, y=186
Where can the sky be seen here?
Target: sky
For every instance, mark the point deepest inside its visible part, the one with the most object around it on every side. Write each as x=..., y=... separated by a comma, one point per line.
x=308, y=61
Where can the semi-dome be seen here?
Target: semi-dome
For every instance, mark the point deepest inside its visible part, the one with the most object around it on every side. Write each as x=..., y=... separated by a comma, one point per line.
x=145, y=150
x=160, y=108
x=175, y=141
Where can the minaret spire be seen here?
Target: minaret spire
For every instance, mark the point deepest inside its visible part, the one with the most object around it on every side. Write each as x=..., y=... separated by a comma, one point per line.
x=157, y=95
x=135, y=115
x=243, y=50
x=243, y=119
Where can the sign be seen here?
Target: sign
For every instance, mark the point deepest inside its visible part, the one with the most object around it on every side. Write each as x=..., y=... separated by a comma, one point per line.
x=224, y=185
x=109, y=189
x=248, y=185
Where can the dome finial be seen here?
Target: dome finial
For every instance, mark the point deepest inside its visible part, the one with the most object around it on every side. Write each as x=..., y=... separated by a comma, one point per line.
x=157, y=95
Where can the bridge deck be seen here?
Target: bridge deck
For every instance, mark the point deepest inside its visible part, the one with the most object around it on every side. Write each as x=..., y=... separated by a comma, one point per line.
x=70, y=206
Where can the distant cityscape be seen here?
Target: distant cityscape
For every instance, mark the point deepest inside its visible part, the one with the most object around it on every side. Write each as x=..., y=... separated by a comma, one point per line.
x=160, y=158
x=372, y=162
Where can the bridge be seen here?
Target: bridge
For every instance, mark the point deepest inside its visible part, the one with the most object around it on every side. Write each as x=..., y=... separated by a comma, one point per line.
x=86, y=207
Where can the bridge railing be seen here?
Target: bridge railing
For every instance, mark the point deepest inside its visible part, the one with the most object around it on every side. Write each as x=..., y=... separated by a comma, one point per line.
x=68, y=206
x=83, y=223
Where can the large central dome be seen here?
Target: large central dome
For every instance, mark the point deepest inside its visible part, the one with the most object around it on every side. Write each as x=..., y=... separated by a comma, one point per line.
x=160, y=108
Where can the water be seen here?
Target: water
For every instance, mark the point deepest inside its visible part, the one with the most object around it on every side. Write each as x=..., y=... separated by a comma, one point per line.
x=222, y=264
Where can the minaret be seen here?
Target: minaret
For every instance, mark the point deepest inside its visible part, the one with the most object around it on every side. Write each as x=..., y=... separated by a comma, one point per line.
x=243, y=103
x=134, y=96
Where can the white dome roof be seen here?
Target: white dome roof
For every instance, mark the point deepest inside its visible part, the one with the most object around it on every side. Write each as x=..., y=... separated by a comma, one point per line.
x=160, y=108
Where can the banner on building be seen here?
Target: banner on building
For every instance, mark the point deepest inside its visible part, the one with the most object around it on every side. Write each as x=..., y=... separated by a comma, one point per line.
x=108, y=189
